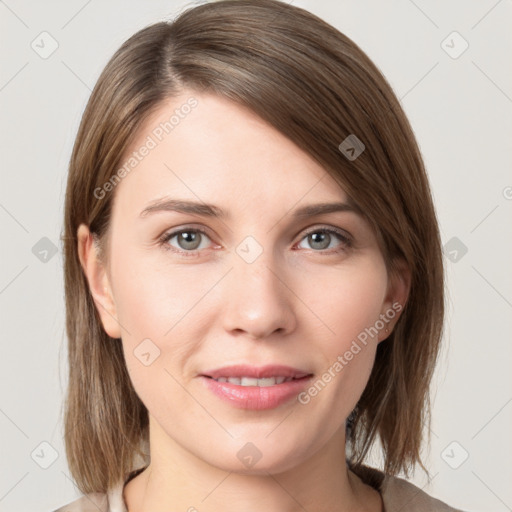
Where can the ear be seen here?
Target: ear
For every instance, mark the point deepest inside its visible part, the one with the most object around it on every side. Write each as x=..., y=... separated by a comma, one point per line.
x=99, y=284
x=399, y=285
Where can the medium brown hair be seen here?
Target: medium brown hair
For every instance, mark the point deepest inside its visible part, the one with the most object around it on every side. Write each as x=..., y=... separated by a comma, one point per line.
x=317, y=87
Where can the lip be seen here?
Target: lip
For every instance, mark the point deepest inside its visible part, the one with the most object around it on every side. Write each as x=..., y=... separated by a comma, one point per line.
x=242, y=370
x=255, y=397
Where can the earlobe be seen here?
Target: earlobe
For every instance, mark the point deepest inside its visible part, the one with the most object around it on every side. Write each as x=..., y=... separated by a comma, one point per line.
x=99, y=284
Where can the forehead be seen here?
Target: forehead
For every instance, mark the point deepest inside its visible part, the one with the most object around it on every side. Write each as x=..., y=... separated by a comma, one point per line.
x=207, y=148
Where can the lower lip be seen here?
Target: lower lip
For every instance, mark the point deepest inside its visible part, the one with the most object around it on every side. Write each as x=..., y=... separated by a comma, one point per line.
x=256, y=397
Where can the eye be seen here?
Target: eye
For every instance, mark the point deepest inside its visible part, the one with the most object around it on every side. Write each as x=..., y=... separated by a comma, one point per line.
x=185, y=240
x=321, y=239
x=189, y=241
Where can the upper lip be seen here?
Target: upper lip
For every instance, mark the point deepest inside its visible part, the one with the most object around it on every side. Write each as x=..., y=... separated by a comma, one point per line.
x=261, y=372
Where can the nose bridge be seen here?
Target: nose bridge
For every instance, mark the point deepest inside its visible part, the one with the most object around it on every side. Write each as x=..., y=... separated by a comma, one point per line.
x=258, y=303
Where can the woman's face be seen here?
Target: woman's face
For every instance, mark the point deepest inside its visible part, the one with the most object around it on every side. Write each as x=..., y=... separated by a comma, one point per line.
x=253, y=279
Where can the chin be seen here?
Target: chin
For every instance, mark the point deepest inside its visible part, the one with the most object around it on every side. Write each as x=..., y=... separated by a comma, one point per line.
x=256, y=459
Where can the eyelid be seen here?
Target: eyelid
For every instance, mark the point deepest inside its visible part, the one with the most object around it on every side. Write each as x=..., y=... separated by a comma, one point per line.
x=190, y=227
x=345, y=235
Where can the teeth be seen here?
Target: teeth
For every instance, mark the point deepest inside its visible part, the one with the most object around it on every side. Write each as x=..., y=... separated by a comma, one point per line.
x=251, y=381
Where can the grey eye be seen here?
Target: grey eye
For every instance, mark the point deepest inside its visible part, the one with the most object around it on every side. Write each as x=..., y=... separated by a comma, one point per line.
x=188, y=239
x=319, y=240
x=322, y=239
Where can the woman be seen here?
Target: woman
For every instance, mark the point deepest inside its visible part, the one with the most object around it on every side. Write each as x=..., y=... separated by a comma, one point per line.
x=253, y=273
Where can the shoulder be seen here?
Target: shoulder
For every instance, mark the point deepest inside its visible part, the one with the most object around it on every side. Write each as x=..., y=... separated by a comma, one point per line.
x=399, y=494
x=97, y=502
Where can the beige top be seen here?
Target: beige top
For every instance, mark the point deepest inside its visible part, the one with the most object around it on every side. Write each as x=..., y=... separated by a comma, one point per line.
x=398, y=495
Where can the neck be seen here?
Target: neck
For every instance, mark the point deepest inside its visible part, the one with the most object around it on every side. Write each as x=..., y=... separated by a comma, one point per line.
x=178, y=480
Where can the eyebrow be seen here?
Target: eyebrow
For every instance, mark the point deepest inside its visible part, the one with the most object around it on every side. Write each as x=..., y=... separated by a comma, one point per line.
x=183, y=206
x=210, y=210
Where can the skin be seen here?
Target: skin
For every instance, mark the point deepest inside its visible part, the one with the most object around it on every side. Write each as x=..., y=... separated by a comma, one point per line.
x=300, y=303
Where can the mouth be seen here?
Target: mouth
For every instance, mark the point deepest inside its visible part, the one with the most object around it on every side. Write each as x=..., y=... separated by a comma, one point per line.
x=250, y=381
x=246, y=375
x=249, y=387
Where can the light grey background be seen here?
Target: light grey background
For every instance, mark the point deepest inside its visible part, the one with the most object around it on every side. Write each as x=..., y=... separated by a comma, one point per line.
x=461, y=111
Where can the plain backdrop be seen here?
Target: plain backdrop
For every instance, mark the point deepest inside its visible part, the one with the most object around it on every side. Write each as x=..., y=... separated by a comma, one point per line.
x=448, y=62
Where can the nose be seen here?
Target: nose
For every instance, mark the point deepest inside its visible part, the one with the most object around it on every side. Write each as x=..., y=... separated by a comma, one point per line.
x=259, y=301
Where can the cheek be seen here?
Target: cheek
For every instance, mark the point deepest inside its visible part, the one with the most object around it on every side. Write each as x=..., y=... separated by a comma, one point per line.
x=164, y=313
x=348, y=300
x=153, y=297
x=349, y=303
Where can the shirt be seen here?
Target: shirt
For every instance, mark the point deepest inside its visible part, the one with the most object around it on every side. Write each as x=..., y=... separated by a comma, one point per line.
x=398, y=495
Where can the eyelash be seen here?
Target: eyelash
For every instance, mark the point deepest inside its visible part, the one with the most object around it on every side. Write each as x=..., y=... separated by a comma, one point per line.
x=346, y=241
